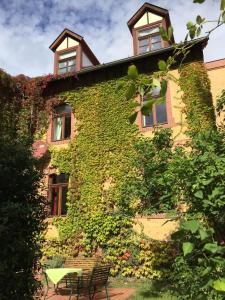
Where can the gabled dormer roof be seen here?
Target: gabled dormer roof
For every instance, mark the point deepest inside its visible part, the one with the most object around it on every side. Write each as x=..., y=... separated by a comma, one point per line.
x=147, y=7
x=69, y=33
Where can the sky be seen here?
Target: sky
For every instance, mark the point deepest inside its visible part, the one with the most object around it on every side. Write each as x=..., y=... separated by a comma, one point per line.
x=28, y=27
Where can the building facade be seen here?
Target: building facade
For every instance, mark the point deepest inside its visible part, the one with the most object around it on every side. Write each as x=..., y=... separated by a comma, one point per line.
x=72, y=54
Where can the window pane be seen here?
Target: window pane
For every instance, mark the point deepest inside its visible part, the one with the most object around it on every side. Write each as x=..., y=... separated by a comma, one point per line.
x=161, y=115
x=155, y=39
x=62, y=71
x=67, y=129
x=72, y=68
x=148, y=31
x=143, y=49
x=156, y=46
x=67, y=55
x=71, y=62
x=148, y=120
x=62, y=65
x=61, y=178
x=156, y=91
x=143, y=42
x=57, y=128
x=62, y=109
x=64, y=198
x=54, y=200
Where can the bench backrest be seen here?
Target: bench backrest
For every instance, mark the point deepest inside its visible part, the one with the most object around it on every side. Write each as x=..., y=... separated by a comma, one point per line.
x=100, y=275
x=86, y=263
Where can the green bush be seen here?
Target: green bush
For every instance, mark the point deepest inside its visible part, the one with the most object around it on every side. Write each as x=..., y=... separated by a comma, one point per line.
x=21, y=216
x=199, y=270
x=21, y=206
x=54, y=262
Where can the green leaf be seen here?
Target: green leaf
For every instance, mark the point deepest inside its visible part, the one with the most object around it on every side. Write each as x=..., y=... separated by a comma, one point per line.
x=198, y=31
x=177, y=235
x=203, y=234
x=198, y=1
x=131, y=91
x=163, y=88
x=199, y=194
x=223, y=16
x=211, y=247
x=163, y=34
x=219, y=285
x=172, y=214
x=170, y=32
x=156, y=83
x=147, y=107
x=191, y=225
x=189, y=25
x=187, y=248
x=192, y=32
x=119, y=86
x=199, y=20
x=222, y=5
x=133, y=117
x=206, y=271
x=160, y=100
x=162, y=65
x=141, y=90
x=132, y=72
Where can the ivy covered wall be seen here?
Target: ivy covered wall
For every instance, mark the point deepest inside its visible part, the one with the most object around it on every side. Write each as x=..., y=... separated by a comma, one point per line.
x=197, y=98
x=100, y=157
x=102, y=162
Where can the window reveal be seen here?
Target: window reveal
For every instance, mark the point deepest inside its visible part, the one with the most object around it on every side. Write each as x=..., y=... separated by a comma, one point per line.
x=61, y=123
x=158, y=115
x=149, y=39
x=67, y=62
x=58, y=188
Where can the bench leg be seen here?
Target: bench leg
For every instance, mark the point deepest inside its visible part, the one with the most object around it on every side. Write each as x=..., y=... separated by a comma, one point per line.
x=107, y=294
x=46, y=293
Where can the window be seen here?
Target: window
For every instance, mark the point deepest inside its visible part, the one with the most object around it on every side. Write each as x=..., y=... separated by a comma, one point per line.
x=149, y=39
x=61, y=123
x=158, y=115
x=58, y=188
x=67, y=62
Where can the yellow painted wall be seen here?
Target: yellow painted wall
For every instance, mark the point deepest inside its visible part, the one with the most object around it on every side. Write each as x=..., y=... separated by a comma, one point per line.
x=155, y=228
x=71, y=43
x=158, y=229
x=144, y=19
x=217, y=79
x=51, y=231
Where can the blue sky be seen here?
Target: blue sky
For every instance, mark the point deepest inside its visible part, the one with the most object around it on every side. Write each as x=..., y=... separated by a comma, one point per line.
x=29, y=27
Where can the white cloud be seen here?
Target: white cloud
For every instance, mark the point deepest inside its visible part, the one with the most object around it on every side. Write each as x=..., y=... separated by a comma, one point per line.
x=29, y=27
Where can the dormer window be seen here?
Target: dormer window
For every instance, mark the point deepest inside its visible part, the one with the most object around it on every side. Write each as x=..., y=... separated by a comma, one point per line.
x=149, y=39
x=71, y=53
x=144, y=26
x=67, y=62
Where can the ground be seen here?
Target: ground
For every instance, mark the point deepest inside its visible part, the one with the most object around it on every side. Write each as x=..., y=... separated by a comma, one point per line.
x=114, y=294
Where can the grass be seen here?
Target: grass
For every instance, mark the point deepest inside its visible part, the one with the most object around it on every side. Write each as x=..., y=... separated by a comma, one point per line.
x=145, y=289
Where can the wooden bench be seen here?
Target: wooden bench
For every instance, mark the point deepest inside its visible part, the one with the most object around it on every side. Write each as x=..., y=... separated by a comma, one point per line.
x=94, y=277
x=86, y=263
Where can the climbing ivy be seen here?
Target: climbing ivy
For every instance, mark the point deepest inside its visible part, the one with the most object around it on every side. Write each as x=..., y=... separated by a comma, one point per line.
x=102, y=150
x=195, y=86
